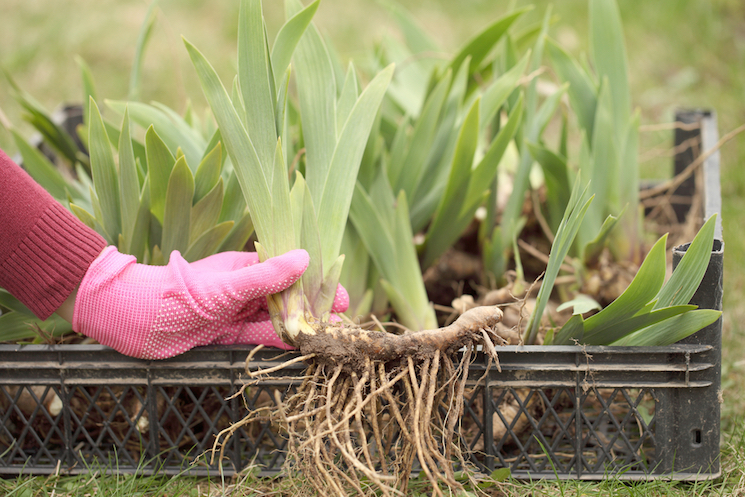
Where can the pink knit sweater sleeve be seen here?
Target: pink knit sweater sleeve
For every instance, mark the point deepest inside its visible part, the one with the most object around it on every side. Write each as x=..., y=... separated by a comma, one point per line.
x=44, y=249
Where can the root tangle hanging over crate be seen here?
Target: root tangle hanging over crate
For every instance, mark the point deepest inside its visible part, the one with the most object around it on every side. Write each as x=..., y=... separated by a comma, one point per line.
x=373, y=403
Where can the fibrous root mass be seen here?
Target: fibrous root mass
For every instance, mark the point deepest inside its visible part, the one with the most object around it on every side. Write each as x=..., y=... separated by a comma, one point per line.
x=371, y=404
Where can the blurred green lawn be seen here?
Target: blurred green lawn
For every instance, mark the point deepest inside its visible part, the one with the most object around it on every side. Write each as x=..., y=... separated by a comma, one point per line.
x=682, y=53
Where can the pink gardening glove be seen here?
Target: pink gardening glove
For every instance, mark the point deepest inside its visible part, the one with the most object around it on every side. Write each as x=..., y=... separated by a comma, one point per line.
x=156, y=312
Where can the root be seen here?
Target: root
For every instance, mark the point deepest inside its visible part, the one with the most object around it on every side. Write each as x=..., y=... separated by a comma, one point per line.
x=351, y=347
x=373, y=403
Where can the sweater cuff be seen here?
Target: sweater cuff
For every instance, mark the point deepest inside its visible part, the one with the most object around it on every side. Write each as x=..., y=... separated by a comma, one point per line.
x=51, y=261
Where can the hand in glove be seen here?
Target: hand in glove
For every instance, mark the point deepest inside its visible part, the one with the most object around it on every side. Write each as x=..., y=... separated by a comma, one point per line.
x=156, y=312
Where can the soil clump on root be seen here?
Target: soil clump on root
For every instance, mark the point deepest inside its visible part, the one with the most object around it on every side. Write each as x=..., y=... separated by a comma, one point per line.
x=372, y=404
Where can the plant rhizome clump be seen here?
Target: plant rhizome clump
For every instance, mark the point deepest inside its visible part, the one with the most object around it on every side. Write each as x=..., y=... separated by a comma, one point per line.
x=371, y=403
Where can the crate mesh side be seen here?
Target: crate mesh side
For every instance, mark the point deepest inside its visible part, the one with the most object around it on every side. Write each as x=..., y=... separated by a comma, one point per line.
x=189, y=419
x=542, y=431
x=29, y=434
x=110, y=428
x=107, y=426
x=536, y=427
x=618, y=431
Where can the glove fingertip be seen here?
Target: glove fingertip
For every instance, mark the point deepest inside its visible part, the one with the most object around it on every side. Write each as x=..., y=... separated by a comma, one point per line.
x=271, y=276
x=288, y=268
x=341, y=300
x=298, y=259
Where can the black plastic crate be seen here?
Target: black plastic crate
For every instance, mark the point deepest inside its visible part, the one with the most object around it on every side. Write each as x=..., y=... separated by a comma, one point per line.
x=88, y=406
x=571, y=412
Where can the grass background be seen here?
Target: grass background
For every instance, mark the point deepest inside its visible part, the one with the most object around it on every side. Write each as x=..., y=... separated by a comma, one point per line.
x=682, y=53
